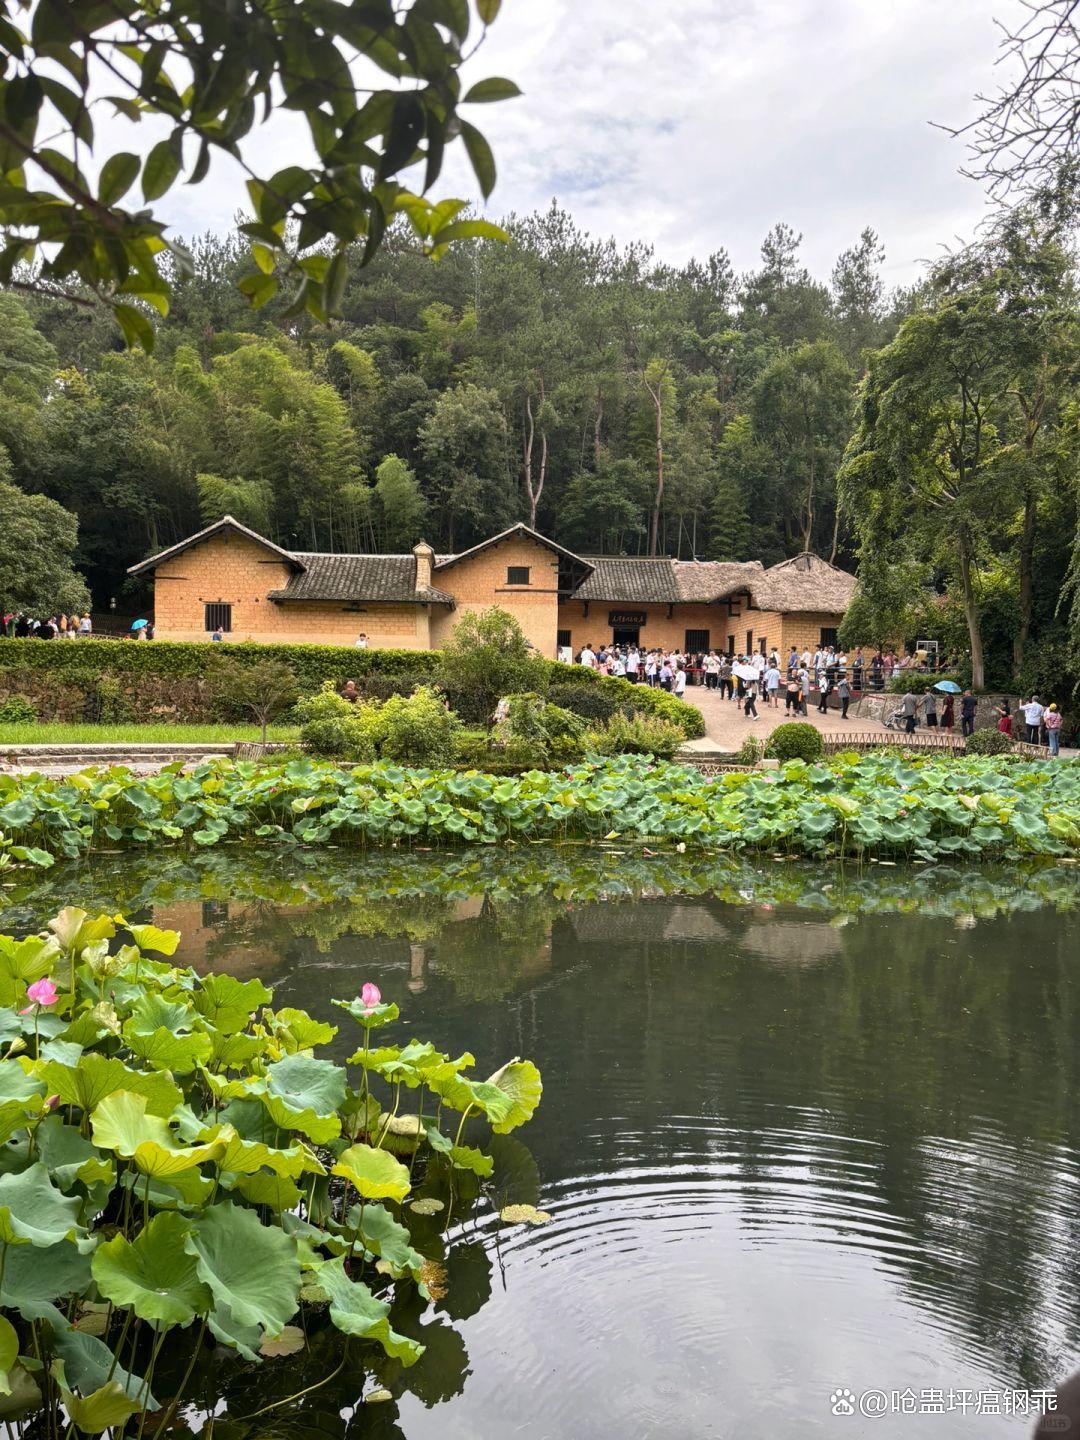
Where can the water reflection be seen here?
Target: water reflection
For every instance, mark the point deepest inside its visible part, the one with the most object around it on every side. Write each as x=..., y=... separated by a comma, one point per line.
x=801, y=1128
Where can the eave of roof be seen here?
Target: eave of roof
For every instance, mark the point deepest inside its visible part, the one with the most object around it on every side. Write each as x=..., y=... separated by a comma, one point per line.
x=443, y=562
x=227, y=522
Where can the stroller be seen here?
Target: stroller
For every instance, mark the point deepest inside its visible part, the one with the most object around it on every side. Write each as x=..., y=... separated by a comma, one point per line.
x=897, y=721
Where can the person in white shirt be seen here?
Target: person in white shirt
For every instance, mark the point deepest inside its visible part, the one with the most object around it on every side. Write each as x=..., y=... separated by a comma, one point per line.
x=361, y=641
x=805, y=657
x=1033, y=713
x=587, y=657
x=680, y=680
x=633, y=663
x=772, y=685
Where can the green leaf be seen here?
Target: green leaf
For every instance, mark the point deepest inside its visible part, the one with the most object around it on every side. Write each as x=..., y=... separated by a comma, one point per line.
x=228, y=1004
x=163, y=1050
x=136, y=327
x=162, y=167
x=110, y=1405
x=34, y=1212
x=380, y=1233
x=86, y=1084
x=276, y=1191
x=245, y=1157
x=153, y=1275
x=9, y=1353
x=32, y=1276
x=355, y=1311
x=88, y=1364
x=480, y=156
x=121, y=1123
x=523, y=1215
x=149, y=937
x=252, y=1270
x=486, y=91
x=69, y=1155
x=369, y=1016
x=465, y=1157
x=118, y=174
x=374, y=1174
x=304, y=1094
x=488, y=9
x=520, y=1080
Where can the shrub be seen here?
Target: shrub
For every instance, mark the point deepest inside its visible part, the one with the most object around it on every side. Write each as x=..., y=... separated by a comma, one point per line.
x=335, y=728
x=488, y=657
x=265, y=690
x=988, y=742
x=17, y=710
x=918, y=681
x=110, y=704
x=642, y=700
x=636, y=734
x=795, y=741
x=419, y=730
x=585, y=699
x=750, y=751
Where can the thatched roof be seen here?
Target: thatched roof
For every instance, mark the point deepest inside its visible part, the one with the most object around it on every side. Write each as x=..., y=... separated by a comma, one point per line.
x=805, y=582
x=706, y=580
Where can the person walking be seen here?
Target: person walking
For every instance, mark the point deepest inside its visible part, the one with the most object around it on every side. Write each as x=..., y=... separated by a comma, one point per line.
x=948, y=715
x=823, y=692
x=1052, y=722
x=909, y=709
x=930, y=710
x=679, y=684
x=727, y=687
x=967, y=713
x=1005, y=720
x=772, y=684
x=1033, y=714
x=667, y=674
x=843, y=689
x=804, y=689
x=750, y=705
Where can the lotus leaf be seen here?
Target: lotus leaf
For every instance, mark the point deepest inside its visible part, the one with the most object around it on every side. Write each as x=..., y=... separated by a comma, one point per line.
x=149, y=937
x=369, y=1016
x=252, y=1269
x=95, y=1077
x=520, y=1080
x=89, y=1365
x=465, y=1157
x=153, y=1275
x=228, y=1004
x=304, y=1094
x=121, y=1123
x=355, y=1311
x=164, y=1050
x=9, y=1353
x=276, y=1191
x=374, y=1174
x=110, y=1405
x=524, y=1215
x=33, y=1276
x=34, y=1212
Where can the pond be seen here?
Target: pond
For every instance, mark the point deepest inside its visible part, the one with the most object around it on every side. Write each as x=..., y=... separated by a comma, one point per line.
x=803, y=1129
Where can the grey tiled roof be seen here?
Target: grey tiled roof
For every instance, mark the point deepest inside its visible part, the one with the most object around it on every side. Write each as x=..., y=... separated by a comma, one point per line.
x=614, y=578
x=377, y=579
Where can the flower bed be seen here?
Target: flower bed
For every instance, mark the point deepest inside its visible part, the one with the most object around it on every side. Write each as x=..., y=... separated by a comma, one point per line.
x=879, y=804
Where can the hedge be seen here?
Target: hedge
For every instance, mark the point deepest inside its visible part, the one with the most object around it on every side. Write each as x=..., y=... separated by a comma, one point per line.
x=64, y=677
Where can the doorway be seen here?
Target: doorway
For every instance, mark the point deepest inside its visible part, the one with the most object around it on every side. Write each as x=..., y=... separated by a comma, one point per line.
x=625, y=634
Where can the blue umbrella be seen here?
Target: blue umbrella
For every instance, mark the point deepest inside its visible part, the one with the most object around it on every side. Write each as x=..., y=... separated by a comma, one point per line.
x=949, y=686
x=139, y=624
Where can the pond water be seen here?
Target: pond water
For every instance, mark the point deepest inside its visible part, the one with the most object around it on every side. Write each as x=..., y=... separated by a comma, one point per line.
x=801, y=1129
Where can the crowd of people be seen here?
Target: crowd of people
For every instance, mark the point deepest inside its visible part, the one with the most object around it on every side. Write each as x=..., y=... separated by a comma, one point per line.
x=17, y=626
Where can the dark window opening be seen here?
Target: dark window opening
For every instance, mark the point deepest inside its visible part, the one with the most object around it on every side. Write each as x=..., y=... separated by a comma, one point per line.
x=219, y=617
x=214, y=913
x=763, y=641
x=562, y=639
x=828, y=635
x=749, y=642
x=517, y=575
x=696, y=641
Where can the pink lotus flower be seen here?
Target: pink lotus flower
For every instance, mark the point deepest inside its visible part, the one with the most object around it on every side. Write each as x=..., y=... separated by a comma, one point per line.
x=370, y=995
x=42, y=992
x=53, y=1102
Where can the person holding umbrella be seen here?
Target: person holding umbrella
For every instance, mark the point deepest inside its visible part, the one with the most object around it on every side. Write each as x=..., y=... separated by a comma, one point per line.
x=137, y=627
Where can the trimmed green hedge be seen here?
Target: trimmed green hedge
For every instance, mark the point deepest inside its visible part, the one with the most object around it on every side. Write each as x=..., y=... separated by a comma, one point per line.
x=82, y=664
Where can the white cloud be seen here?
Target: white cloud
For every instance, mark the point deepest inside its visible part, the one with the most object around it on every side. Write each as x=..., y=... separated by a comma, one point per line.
x=696, y=126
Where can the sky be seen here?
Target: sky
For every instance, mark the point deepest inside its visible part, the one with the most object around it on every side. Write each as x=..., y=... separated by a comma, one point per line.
x=697, y=124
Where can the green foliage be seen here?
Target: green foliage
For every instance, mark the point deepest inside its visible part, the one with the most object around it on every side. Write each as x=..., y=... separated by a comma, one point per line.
x=919, y=682
x=38, y=539
x=77, y=234
x=213, y=1174
x=750, y=751
x=486, y=658
x=17, y=710
x=796, y=740
x=635, y=734
x=413, y=730
x=264, y=689
x=989, y=742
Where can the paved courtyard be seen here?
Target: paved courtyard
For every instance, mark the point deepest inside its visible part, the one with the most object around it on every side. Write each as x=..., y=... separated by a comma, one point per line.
x=726, y=727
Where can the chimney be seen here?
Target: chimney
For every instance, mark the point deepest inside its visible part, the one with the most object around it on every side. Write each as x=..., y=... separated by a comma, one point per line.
x=425, y=556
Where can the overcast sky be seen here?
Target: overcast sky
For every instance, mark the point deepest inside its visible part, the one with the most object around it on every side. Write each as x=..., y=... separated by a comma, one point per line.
x=697, y=124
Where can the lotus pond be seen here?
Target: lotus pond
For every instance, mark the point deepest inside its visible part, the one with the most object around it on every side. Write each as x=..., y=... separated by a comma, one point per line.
x=804, y=1126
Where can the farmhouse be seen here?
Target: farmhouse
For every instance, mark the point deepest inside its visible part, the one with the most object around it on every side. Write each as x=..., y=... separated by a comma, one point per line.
x=231, y=578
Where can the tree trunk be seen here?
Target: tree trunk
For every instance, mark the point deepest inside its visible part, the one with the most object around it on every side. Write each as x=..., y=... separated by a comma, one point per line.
x=835, y=535
x=971, y=613
x=530, y=432
x=597, y=423
x=658, y=500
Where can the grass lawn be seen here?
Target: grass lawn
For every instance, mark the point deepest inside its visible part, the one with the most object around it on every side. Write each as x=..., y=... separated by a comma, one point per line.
x=60, y=734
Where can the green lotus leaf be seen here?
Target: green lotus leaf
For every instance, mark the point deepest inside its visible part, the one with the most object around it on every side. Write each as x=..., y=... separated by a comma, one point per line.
x=32, y=1276
x=374, y=1174
x=121, y=1123
x=252, y=1269
x=249, y=1118
x=190, y=1190
x=427, y=1205
x=523, y=1215
x=465, y=1157
x=162, y=1050
x=369, y=1016
x=356, y=1311
x=89, y=1365
x=9, y=1353
x=290, y=1342
x=381, y=1234
x=152, y=1011
x=111, y=1405
x=21, y=1096
x=520, y=1080
x=69, y=1155
x=245, y=1157
x=437, y=1140
x=34, y=1212
x=228, y=1004
x=23, y=1395
x=149, y=937
x=21, y=963
x=310, y=1239
x=95, y=1077
x=229, y=1052
x=304, y=1094
x=262, y=1188
x=301, y=1031
x=92, y=1025
x=75, y=930
x=245, y=1339
x=153, y=1274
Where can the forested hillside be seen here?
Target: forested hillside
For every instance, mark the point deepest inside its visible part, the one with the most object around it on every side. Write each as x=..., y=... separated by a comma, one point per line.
x=619, y=404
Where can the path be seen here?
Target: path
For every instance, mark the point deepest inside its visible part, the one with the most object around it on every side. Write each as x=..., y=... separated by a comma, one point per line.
x=726, y=727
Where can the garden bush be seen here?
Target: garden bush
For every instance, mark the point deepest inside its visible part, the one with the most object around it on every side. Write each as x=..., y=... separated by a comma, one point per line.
x=418, y=730
x=182, y=1167
x=585, y=699
x=636, y=734
x=334, y=728
x=918, y=682
x=486, y=658
x=17, y=710
x=797, y=740
x=989, y=742
x=750, y=751
x=111, y=706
